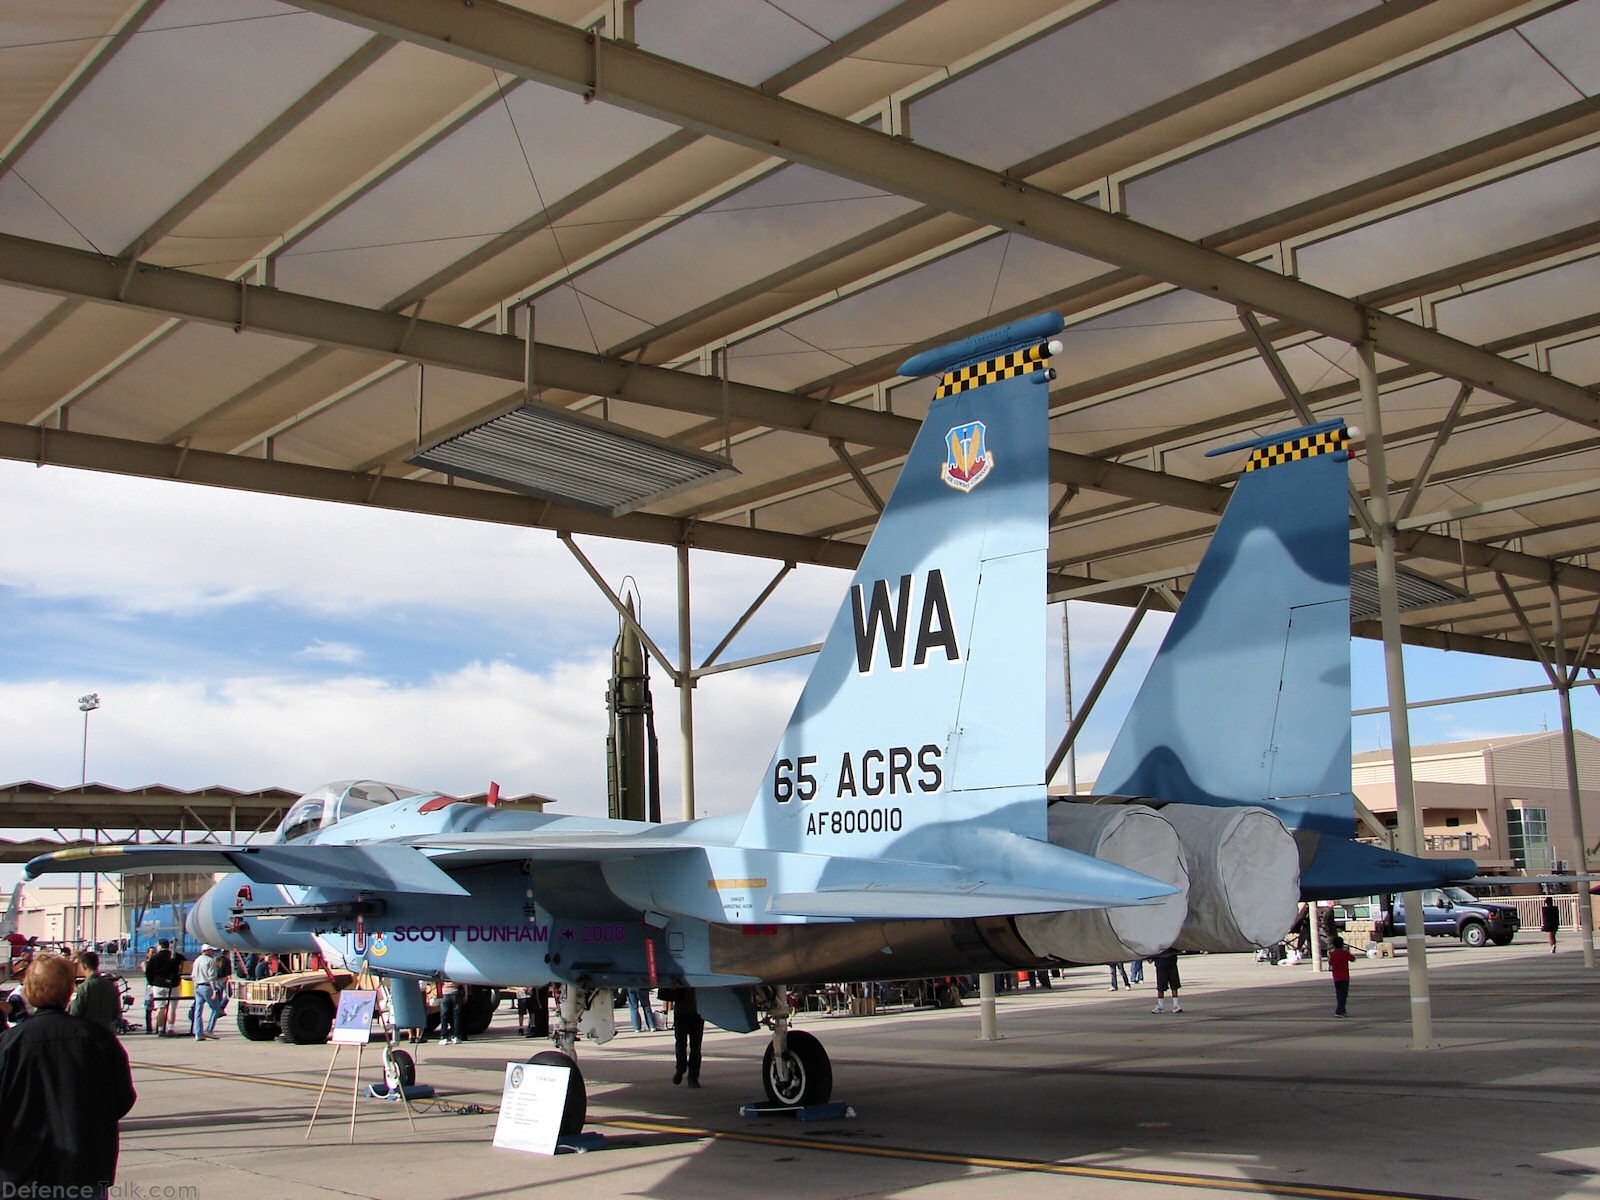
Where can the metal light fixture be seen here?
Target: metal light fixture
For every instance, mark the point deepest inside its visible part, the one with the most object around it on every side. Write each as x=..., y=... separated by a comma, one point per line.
x=572, y=458
x=1412, y=590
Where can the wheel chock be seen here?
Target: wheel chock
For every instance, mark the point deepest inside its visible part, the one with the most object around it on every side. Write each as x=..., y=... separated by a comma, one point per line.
x=380, y=1091
x=835, y=1110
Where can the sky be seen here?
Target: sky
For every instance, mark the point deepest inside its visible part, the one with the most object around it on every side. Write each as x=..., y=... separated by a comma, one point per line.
x=257, y=641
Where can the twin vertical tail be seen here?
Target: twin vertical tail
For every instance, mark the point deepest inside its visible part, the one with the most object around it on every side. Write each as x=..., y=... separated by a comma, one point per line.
x=1248, y=699
x=926, y=705
x=1247, y=702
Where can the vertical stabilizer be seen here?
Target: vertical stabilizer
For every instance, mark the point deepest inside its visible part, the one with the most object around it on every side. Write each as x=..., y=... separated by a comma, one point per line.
x=1248, y=699
x=924, y=713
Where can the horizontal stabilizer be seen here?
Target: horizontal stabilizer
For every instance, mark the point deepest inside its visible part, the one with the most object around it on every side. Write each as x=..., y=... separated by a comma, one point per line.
x=358, y=868
x=999, y=874
x=1340, y=869
x=951, y=901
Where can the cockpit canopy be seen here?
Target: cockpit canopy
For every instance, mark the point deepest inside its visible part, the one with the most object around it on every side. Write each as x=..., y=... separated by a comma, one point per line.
x=333, y=802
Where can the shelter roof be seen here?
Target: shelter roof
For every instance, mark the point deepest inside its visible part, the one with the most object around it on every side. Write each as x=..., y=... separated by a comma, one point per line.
x=284, y=247
x=216, y=813
x=1470, y=746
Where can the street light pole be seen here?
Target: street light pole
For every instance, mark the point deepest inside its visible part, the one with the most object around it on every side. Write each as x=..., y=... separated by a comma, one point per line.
x=86, y=705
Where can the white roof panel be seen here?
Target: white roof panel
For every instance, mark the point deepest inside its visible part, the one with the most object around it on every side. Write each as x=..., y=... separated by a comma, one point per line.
x=1435, y=160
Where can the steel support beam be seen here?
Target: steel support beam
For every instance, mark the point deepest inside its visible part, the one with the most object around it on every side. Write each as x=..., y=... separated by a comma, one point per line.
x=1407, y=817
x=1563, y=678
x=93, y=452
x=1503, y=694
x=623, y=611
x=1420, y=481
x=43, y=266
x=46, y=267
x=519, y=43
x=686, y=683
x=1106, y=669
x=744, y=618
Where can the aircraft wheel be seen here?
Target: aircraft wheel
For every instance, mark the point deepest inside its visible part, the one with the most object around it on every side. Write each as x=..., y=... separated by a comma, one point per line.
x=577, y=1106
x=399, y=1070
x=1474, y=934
x=477, y=1009
x=810, y=1073
x=252, y=1027
x=308, y=1018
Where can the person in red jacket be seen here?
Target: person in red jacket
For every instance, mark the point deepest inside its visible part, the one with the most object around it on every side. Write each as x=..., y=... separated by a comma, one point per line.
x=1339, y=960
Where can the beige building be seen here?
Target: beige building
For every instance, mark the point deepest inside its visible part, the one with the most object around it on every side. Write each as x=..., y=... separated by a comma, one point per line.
x=56, y=912
x=1502, y=801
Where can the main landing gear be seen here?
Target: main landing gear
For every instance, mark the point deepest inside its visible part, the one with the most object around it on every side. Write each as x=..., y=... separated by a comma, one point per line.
x=795, y=1070
x=569, y=1013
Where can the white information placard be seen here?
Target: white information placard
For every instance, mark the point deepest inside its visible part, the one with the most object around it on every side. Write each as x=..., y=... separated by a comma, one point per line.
x=352, y=1023
x=531, y=1105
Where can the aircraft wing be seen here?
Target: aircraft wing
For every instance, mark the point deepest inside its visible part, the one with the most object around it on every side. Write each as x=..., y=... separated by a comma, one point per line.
x=373, y=866
x=1001, y=874
x=474, y=849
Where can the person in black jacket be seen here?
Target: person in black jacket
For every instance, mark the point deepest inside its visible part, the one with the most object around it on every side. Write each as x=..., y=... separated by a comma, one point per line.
x=64, y=1085
x=163, y=977
x=1550, y=921
x=688, y=1030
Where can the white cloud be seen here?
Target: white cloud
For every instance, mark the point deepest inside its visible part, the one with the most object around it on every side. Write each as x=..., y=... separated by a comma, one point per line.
x=332, y=652
x=531, y=731
x=151, y=546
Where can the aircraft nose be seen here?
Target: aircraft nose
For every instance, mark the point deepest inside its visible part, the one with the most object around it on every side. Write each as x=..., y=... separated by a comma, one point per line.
x=205, y=920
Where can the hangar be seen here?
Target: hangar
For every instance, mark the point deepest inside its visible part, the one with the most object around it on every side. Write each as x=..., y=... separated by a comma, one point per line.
x=644, y=270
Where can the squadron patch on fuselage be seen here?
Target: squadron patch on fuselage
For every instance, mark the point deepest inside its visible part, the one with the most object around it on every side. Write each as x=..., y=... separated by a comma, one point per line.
x=967, y=459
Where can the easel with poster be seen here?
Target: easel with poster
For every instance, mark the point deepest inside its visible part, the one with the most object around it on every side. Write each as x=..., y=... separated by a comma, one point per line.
x=352, y=1026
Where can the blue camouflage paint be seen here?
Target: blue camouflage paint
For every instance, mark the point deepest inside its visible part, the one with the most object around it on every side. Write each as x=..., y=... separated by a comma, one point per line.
x=1248, y=698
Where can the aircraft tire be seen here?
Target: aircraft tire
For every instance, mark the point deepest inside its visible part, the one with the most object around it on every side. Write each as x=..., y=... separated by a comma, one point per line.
x=576, y=1111
x=811, y=1074
x=399, y=1069
x=253, y=1027
x=308, y=1019
x=477, y=1009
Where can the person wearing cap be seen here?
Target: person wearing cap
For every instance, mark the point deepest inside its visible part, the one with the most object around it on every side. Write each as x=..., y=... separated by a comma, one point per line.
x=64, y=1085
x=97, y=998
x=205, y=987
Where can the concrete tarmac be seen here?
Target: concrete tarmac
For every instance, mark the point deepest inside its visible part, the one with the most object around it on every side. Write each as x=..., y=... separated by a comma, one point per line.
x=1254, y=1088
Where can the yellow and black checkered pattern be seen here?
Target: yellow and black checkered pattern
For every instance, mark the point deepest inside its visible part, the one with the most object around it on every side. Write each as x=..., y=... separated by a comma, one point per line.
x=1309, y=446
x=1007, y=366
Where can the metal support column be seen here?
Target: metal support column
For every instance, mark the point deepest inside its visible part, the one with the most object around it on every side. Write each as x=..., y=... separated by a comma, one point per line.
x=1314, y=934
x=1077, y=719
x=1563, y=681
x=988, y=1030
x=1066, y=671
x=685, y=685
x=1395, y=676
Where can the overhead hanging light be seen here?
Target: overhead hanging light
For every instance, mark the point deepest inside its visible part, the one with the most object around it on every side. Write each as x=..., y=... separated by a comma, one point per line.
x=572, y=458
x=1413, y=591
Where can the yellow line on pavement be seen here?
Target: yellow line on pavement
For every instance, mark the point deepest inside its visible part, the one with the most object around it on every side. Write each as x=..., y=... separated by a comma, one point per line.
x=1076, y=1170
x=1118, y=1174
